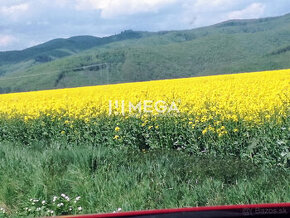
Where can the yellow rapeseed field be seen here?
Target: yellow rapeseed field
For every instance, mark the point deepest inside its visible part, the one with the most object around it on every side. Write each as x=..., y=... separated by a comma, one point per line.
x=250, y=96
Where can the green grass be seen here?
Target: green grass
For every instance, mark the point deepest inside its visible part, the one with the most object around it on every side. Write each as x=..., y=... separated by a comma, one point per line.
x=263, y=144
x=108, y=178
x=147, y=167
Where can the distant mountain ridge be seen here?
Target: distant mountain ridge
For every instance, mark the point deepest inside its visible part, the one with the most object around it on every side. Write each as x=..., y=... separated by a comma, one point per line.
x=58, y=48
x=228, y=47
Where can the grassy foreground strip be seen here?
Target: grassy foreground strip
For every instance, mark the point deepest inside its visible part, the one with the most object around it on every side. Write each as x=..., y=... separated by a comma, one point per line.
x=106, y=179
x=264, y=144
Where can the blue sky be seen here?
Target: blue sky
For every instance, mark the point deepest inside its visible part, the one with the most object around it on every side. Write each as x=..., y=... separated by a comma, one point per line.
x=24, y=23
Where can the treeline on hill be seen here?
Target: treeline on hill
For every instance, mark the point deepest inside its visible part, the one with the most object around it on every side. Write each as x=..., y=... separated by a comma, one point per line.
x=229, y=47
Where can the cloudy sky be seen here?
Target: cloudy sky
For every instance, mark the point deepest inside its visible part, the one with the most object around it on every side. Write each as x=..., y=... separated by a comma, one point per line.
x=24, y=23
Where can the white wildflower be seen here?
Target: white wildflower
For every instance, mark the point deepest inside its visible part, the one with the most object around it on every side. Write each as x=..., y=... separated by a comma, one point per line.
x=80, y=208
x=60, y=204
x=118, y=210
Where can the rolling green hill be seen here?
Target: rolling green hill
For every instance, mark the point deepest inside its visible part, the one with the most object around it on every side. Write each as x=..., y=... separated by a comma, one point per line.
x=229, y=47
x=59, y=48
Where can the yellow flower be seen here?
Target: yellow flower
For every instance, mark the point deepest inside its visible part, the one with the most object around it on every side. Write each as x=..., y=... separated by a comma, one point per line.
x=117, y=129
x=116, y=137
x=203, y=119
x=236, y=130
x=249, y=97
x=235, y=117
x=204, y=131
x=62, y=132
x=210, y=128
x=217, y=123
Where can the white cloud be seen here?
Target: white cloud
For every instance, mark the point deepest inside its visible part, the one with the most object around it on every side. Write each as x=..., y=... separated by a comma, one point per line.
x=13, y=12
x=213, y=4
x=255, y=10
x=34, y=21
x=6, y=40
x=14, y=9
x=203, y=12
x=113, y=8
x=198, y=13
x=61, y=3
